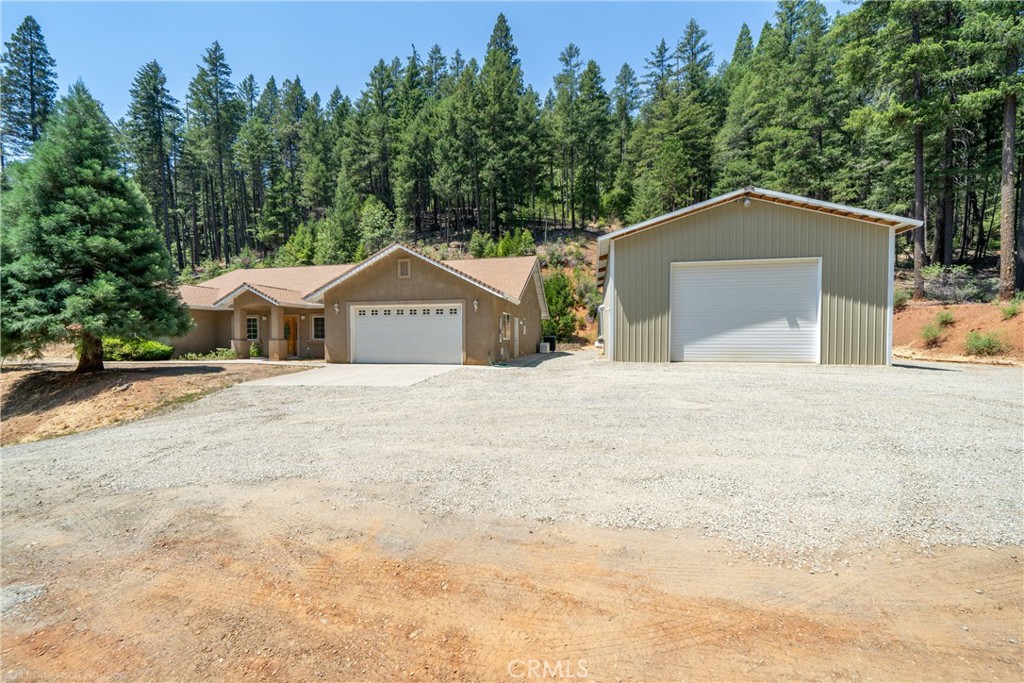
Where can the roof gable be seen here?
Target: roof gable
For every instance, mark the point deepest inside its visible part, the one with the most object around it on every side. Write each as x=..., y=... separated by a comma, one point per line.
x=898, y=223
x=502, y=272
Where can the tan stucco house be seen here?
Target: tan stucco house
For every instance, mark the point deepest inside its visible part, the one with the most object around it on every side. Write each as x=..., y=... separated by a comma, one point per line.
x=397, y=306
x=752, y=276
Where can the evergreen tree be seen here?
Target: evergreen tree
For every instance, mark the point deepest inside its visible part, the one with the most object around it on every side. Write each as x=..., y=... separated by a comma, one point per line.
x=151, y=131
x=317, y=185
x=82, y=258
x=28, y=88
x=217, y=113
x=595, y=140
x=501, y=133
x=695, y=60
x=658, y=71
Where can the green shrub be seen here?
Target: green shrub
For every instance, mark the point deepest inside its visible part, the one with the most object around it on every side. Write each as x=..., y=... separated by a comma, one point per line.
x=980, y=344
x=478, y=243
x=135, y=349
x=586, y=291
x=1010, y=310
x=255, y=350
x=216, y=354
x=944, y=319
x=931, y=334
x=900, y=298
x=562, y=320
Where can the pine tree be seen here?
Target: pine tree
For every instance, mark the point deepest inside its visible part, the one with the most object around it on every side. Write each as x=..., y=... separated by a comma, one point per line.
x=595, y=143
x=28, y=88
x=151, y=131
x=501, y=134
x=658, y=72
x=695, y=60
x=82, y=258
x=217, y=114
x=568, y=129
x=317, y=185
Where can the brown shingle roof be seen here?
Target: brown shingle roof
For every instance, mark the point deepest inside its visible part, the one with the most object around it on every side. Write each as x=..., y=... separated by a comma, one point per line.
x=508, y=275
x=289, y=286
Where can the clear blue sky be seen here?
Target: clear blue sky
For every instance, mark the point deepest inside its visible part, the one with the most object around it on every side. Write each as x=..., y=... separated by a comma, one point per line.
x=330, y=44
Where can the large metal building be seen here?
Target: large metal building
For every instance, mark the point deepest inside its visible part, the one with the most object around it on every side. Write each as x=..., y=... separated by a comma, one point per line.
x=752, y=276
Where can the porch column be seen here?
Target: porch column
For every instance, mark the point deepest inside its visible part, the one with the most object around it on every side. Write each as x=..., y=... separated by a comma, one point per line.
x=239, y=344
x=277, y=348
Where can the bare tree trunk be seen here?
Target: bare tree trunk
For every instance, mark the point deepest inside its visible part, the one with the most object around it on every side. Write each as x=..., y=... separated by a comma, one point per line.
x=1007, y=217
x=942, y=248
x=918, y=179
x=91, y=357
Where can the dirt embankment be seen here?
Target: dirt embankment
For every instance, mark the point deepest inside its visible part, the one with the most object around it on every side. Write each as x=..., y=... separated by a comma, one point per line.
x=952, y=344
x=43, y=400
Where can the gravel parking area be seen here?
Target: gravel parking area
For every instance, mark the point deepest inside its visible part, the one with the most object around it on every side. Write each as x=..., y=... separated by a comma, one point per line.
x=793, y=459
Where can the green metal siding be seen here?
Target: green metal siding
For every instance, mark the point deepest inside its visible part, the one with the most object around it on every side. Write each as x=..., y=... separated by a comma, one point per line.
x=854, y=274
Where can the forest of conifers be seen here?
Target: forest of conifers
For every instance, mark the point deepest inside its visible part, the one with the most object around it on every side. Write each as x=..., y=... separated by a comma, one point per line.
x=902, y=107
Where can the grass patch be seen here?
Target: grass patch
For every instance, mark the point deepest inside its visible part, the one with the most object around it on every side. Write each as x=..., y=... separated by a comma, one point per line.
x=984, y=344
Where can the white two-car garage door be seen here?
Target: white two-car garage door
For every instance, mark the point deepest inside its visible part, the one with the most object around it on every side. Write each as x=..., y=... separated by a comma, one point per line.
x=427, y=333
x=762, y=310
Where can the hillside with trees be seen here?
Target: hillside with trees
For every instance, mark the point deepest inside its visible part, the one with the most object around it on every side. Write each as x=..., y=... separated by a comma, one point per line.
x=907, y=107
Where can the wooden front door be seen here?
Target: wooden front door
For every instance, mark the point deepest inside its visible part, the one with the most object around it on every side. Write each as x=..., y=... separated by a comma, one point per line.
x=291, y=333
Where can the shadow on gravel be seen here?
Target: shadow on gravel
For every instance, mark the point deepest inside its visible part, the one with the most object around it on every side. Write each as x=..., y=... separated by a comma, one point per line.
x=533, y=360
x=904, y=366
x=43, y=389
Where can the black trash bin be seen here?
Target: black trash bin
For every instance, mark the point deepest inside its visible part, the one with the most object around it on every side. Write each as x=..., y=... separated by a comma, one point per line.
x=550, y=341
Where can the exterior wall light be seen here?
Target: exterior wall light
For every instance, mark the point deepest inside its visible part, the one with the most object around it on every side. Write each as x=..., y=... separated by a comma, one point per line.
x=746, y=201
x=476, y=305
x=337, y=308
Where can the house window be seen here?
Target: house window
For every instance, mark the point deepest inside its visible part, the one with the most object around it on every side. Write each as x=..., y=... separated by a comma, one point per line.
x=403, y=267
x=318, y=327
x=506, y=326
x=252, y=328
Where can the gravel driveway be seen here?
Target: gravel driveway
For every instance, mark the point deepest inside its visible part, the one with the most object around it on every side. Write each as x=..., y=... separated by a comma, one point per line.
x=792, y=459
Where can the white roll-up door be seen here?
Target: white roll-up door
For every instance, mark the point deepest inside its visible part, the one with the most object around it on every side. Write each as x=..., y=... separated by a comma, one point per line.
x=426, y=333
x=762, y=310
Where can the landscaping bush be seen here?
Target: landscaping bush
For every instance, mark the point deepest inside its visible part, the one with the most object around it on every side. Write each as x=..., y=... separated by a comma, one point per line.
x=931, y=334
x=944, y=319
x=982, y=344
x=216, y=354
x=135, y=349
x=900, y=298
x=255, y=350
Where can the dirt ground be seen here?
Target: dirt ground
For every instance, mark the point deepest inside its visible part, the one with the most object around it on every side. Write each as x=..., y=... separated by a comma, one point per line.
x=984, y=318
x=40, y=400
x=289, y=581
